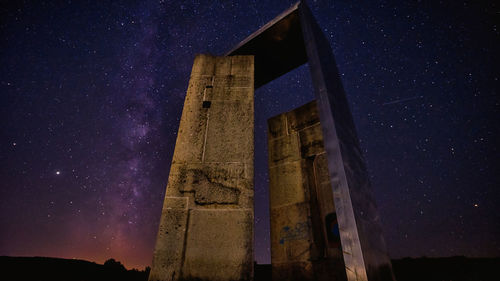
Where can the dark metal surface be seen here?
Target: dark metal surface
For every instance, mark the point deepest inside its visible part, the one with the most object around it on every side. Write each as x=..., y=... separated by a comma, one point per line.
x=365, y=256
x=278, y=47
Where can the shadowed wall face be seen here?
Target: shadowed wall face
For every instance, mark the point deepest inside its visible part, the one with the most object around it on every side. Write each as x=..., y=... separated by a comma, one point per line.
x=206, y=228
x=305, y=239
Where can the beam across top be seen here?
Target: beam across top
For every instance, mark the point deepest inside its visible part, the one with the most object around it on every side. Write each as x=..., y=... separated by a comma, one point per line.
x=278, y=47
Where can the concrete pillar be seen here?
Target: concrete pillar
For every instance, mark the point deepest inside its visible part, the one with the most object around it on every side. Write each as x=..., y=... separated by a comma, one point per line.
x=305, y=240
x=206, y=227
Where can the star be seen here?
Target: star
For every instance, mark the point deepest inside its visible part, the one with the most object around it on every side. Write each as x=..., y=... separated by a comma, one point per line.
x=122, y=88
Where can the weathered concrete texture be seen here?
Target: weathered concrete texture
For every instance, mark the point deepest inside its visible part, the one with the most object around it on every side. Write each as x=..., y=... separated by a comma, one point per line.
x=206, y=228
x=305, y=241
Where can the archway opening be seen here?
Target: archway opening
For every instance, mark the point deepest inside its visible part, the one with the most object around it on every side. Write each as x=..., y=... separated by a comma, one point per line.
x=283, y=94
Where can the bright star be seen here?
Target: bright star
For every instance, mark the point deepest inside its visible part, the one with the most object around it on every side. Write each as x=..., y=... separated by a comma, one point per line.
x=58, y=172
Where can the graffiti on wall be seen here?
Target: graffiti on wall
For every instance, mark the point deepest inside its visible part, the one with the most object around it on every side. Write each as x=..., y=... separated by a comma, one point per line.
x=297, y=232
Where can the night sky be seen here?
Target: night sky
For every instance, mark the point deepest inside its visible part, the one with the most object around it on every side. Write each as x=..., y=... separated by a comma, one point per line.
x=91, y=94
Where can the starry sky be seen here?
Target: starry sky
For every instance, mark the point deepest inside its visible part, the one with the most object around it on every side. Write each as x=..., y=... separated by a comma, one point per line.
x=91, y=94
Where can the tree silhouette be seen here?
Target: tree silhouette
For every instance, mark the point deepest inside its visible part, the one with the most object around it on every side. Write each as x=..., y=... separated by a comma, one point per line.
x=114, y=265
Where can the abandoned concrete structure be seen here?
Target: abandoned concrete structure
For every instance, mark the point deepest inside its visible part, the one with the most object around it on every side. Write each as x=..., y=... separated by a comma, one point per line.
x=324, y=221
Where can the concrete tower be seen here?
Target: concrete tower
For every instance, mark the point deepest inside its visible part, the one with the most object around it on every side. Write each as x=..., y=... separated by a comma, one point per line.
x=206, y=227
x=305, y=238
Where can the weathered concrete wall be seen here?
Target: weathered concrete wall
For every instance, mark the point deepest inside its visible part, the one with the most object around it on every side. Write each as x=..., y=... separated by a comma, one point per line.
x=305, y=241
x=206, y=227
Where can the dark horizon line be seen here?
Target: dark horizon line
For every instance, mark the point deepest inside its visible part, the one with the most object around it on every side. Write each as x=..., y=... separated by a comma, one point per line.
x=255, y=262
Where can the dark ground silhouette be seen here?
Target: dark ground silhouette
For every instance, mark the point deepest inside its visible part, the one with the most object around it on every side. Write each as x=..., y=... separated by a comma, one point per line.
x=54, y=269
x=421, y=269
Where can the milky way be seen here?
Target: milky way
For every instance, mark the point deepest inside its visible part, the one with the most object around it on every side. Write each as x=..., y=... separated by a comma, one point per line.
x=91, y=96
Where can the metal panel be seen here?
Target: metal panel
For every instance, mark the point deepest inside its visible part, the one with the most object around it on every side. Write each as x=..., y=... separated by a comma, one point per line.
x=361, y=236
x=277, y=47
